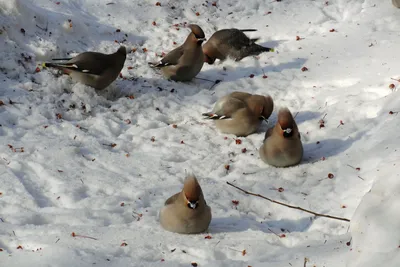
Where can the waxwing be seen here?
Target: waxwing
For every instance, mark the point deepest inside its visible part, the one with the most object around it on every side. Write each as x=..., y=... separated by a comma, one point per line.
x=282, y=145
x=92, y=68
x=231, y=43
x=240, y=113
x=184, y=62
x=186, y=212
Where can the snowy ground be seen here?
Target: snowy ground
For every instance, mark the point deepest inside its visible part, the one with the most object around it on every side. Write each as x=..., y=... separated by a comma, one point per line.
x=69, y=178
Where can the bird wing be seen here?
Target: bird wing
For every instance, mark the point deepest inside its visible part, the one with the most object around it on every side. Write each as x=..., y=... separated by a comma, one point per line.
x=172, y=58
x=88, y=62
x=225, y=108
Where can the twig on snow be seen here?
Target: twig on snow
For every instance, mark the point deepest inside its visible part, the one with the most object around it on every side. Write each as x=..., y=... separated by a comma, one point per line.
x=83, y=236
x=289, y=206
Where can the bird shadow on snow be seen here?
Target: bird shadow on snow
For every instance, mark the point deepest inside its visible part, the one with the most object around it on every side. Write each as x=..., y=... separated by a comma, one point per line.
x=239, y=72
x=327, y=148
x=240, y=224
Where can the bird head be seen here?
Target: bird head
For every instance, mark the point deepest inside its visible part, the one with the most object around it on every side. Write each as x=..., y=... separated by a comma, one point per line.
x=286, y=123
x=261, y=106
x=198, y=34
x=192, y=192
x=208, y=59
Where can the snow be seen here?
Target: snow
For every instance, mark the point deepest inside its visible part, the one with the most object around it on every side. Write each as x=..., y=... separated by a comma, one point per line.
x=70, y=179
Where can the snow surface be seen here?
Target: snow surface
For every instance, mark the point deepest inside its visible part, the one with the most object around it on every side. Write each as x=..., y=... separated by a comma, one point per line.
x=70, y=179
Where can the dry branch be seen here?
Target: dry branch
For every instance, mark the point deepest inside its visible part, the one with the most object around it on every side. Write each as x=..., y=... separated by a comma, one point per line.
x=289, y=206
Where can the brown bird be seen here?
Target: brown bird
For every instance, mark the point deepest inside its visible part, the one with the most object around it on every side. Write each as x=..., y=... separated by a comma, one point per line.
x=184, y=62
x=282, y=145
x=396, y=3
x=92, y=68
x=231, y=43
x=240, y=113
x=186, y=212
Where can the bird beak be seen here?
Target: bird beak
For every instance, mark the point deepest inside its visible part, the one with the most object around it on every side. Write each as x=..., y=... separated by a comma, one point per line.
x=287, y=130
x=192, y=204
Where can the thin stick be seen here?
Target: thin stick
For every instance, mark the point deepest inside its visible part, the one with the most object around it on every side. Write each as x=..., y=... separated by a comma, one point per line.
x=204, y=79
x=83, y=236
x=289, y=206
x=274, y=233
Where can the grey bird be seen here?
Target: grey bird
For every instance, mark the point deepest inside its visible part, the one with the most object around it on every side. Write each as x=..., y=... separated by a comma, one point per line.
x=232, y=43
x=184, y=62
x=186, y=212
x=282, y=145
x=240, y=113
x=396, y=3
x=94, y=69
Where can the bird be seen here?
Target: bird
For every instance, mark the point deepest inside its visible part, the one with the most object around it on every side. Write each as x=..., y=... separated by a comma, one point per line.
x=240, y=113
x=186, y=212
x=282, y=145
x=396, y=3
x=94, y=69
x=232, y=43
x=184, y=62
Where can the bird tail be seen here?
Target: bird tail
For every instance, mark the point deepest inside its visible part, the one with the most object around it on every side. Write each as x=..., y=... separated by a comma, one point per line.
x=58, y=59
x=50, y=65
x=255, y=49
x=213, y=116
x=63, y=68
x=156, y=65
x=248, y=30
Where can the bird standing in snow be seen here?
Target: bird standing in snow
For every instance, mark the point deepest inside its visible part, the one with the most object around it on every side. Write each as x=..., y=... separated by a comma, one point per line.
x=186, y=212
x=184, y=62
x=282, y=145
x=240, y=113
x=396, y=3
x=231, y=43
x=92, y=68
